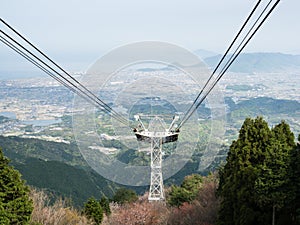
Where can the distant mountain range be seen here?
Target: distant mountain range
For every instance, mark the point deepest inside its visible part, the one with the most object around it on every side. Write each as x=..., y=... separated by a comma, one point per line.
x=245, y=63
x=260, y=63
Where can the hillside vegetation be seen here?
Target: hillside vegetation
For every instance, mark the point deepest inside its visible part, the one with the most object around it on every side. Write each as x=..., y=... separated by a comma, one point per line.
x=258, y=184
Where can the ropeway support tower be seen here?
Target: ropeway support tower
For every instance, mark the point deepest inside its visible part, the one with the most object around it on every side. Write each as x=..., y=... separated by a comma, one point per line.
x=156, y=133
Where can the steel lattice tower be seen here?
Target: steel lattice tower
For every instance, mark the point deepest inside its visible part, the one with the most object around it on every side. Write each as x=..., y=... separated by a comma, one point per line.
x=157, y=134
x=156, y=191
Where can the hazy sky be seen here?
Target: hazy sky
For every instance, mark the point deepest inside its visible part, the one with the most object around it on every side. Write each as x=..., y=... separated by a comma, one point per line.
x=83, y=30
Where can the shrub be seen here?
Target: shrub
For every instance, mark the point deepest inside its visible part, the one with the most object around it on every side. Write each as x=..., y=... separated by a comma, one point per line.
x=55, y=214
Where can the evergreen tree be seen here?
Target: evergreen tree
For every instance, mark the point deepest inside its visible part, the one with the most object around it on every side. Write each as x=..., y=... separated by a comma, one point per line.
x=192, y=183
x=254, y=179
x=293, y=205
x=272, y=189
x=124, y=195
x=105, y=206
x=15, y=205
x=187, y=192
x=179, y=195
x=93, y=210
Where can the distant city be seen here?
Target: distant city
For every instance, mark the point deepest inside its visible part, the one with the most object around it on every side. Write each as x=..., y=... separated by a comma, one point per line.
x=31, y=105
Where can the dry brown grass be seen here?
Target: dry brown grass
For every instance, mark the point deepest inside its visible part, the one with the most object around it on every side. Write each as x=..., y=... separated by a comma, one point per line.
x=54, y=214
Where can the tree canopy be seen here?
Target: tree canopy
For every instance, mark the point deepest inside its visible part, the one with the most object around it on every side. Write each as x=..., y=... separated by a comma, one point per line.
x=294, y=184
x=93, y=210
x=124, y=195
x=15, y=205
x=187, y=192
x=254, y=183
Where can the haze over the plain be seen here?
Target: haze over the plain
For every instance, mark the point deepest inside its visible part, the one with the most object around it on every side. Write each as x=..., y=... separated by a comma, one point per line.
x=80, y=31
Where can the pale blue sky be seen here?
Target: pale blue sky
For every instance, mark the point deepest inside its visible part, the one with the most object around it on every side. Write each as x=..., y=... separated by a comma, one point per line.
x=83, y=30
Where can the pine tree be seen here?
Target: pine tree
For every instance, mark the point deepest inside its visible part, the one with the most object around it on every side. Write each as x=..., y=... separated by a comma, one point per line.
x=15, y=205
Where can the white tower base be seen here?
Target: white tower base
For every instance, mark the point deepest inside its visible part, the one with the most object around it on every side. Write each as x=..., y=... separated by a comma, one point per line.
x=156, y=192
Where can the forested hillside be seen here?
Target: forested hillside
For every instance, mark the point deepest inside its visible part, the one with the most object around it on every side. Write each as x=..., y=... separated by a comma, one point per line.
x=18, y=148
x=258, y=184
x=58, y=168
x=62, y=180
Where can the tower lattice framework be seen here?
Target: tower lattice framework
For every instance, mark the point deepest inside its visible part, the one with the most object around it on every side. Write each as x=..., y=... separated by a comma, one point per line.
x=157, y=134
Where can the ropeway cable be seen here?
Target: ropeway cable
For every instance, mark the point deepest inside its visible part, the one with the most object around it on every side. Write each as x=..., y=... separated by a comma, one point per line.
x=34, y=62
x=247, y=35
x=222, y=59
x=63, y=81
x=64, y=71
x=47, y=71
x=229, y=63
x=104, y=106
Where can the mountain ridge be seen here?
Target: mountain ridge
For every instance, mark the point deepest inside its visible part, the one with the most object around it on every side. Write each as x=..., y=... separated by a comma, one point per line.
x=245, y=63
x=260, y=62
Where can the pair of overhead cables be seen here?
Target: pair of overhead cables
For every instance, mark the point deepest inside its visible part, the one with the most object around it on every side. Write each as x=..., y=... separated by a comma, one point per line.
x=51, y=68
x=210, y=84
